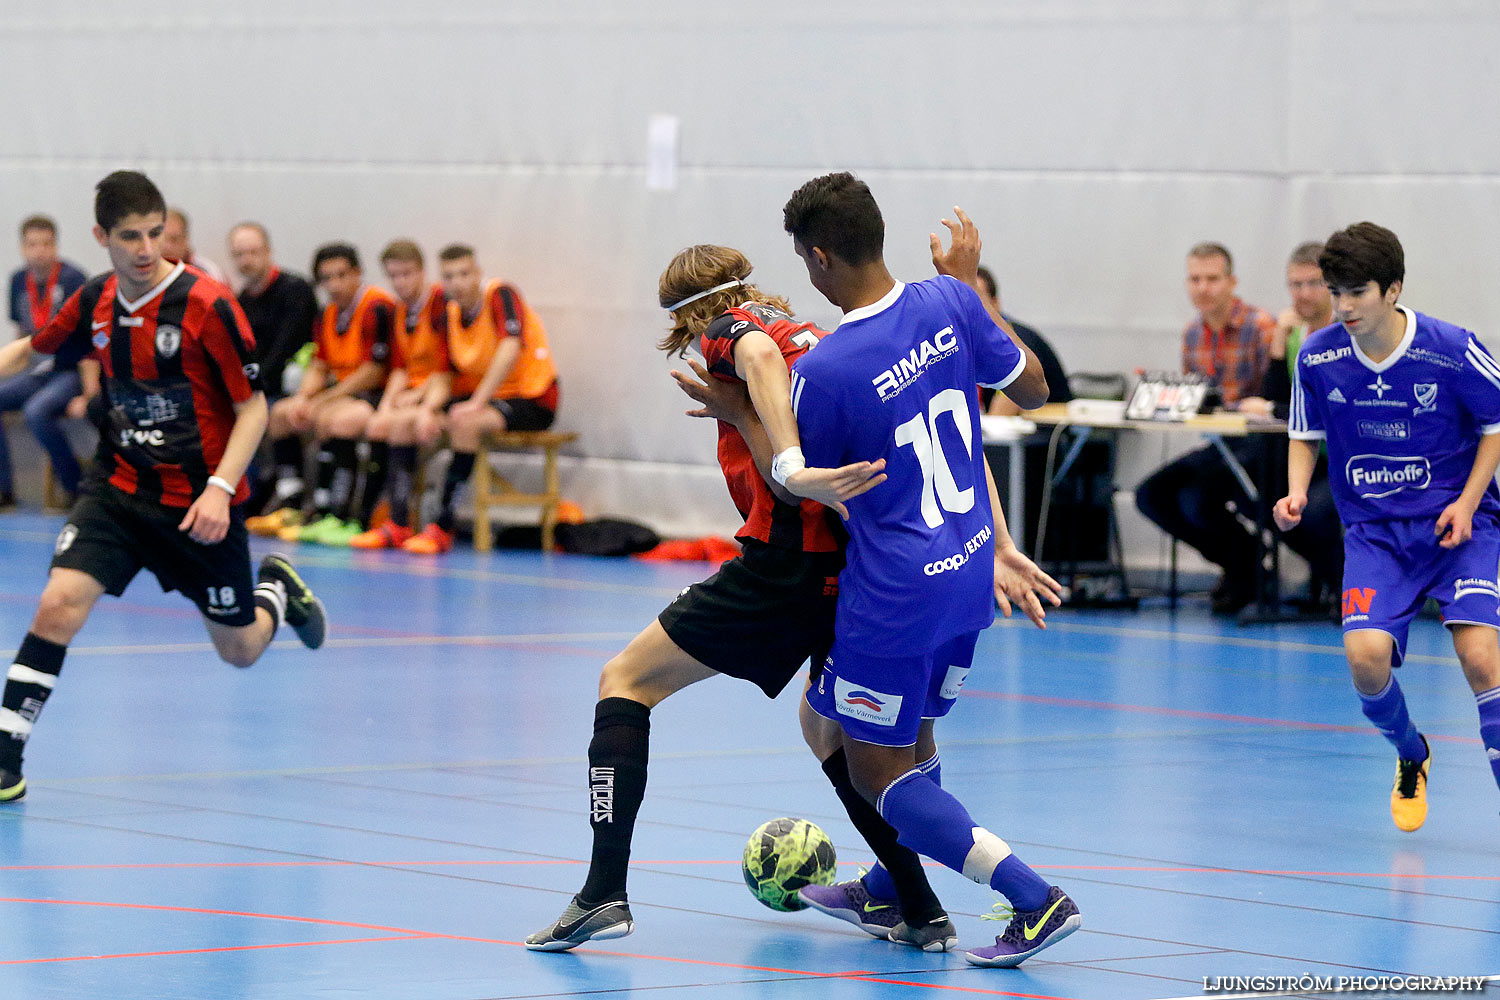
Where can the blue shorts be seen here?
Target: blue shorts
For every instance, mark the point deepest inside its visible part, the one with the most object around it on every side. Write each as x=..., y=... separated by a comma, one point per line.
x=883, y=700
x=1391, y=568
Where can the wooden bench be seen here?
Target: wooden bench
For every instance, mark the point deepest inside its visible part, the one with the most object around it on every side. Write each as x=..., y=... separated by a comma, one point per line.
x=493, y=490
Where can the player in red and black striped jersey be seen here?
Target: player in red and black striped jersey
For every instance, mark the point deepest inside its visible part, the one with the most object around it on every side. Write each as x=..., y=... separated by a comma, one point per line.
x=765, y=612
x=184, y=415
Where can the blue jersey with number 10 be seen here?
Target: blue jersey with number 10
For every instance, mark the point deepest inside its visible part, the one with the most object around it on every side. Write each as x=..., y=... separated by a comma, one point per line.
x=897, y=381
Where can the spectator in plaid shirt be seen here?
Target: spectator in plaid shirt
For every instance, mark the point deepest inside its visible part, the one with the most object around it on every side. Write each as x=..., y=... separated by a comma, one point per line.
x=1229, y=343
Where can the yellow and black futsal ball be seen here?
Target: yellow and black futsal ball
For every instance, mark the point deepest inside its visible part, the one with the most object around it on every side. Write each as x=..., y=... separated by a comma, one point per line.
x=784, y=855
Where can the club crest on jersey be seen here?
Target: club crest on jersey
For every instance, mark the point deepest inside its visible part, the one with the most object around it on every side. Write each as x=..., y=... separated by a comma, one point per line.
x=860, y=702
x=168, y=340
x=101, y=335
x=1426, y=393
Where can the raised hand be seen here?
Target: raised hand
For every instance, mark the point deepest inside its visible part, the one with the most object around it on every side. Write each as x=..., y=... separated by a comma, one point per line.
x=961, y=259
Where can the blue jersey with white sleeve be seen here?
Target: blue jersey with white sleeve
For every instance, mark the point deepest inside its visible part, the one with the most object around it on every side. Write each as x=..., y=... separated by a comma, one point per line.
x=897, y=380
x=1402, y=432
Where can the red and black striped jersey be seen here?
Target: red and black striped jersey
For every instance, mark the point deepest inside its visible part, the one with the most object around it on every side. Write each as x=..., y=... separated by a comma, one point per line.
x=808, y=526
x=176, y=361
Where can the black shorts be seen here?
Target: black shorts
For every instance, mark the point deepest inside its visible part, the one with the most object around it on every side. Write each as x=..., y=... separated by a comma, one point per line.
x=761, y=616
x=112, y=537
x=524, y=414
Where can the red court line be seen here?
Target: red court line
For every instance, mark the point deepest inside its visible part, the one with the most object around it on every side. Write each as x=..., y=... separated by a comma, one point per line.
x=403, y=933
x=1188, y=713
x=683, y=862
x=210, y=951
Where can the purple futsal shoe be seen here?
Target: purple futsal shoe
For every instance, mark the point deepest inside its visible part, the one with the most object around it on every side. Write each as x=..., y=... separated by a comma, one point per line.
x=1029, y=933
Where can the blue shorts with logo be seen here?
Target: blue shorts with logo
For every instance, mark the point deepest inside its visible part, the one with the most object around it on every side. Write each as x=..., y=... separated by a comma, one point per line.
x=883, y=700
x=1392, y=567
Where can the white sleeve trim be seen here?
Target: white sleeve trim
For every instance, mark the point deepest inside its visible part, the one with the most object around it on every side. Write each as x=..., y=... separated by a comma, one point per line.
x=1007, y=380
x=1489, y=429
x=1317, y=435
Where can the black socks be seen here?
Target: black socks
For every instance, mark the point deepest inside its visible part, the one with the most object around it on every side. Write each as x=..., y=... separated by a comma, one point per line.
x=617, y=784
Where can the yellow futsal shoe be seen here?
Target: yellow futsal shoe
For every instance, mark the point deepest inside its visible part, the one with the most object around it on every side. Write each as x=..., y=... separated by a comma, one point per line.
x=1409, y=796
x=270, y=525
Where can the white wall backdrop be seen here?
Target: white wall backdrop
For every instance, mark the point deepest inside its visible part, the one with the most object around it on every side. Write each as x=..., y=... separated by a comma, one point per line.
x=1094, y=141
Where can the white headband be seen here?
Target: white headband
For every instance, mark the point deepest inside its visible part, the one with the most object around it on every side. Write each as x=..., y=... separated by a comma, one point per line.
x=703, y=295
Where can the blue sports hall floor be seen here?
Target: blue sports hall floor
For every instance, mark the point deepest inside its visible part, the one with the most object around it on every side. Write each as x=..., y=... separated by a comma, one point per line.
x=390, y=816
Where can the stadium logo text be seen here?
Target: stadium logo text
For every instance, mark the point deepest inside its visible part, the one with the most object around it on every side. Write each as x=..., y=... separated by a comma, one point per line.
x=896, y=378
x=1323, y=357
x=1375, y=476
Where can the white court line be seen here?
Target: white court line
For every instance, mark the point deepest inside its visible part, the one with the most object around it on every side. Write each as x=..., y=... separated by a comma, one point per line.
x=366, y=642
x=1203, y=638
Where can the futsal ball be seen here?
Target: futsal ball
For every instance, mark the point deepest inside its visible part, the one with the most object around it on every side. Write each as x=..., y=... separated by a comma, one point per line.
x=783, y=856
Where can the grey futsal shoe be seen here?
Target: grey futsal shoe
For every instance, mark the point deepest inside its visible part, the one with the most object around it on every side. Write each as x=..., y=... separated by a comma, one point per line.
x=577, y=925
x=936, y=936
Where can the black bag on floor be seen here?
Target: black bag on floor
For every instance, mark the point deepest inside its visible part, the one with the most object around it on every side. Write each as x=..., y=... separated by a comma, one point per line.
x=606, y=537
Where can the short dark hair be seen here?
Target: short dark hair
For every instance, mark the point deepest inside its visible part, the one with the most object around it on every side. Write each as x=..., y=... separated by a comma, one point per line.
x=989, y=282
x=1211, y=249
x=838, y=213
x=1362, y=253
x=455, y=251
x=126, y=192
x=42, y=222
x=335, y=251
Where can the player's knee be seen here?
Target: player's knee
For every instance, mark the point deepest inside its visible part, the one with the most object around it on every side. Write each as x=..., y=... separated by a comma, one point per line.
x=618, y=680
x=60, y=614
x=823, y=736
x=237, y=654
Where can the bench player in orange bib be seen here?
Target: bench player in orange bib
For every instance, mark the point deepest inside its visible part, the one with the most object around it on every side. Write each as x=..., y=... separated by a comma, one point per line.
x=336, y=398
x=504, y=377
x=410, y=414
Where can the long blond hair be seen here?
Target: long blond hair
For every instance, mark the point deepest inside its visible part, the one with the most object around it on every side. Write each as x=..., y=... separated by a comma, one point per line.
x=697, y=269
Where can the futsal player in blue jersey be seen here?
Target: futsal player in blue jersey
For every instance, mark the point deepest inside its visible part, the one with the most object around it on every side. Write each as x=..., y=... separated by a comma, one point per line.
x=1410, y=409
x=896, y=381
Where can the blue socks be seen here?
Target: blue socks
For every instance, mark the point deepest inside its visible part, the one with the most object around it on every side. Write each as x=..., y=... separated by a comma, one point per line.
x=1387, y=710
x=878, y=881
x=934, y=823
x=1489, y=726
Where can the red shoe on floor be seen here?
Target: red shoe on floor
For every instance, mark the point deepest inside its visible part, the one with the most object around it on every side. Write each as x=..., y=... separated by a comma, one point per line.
x=389, y=535
x=430, y=541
